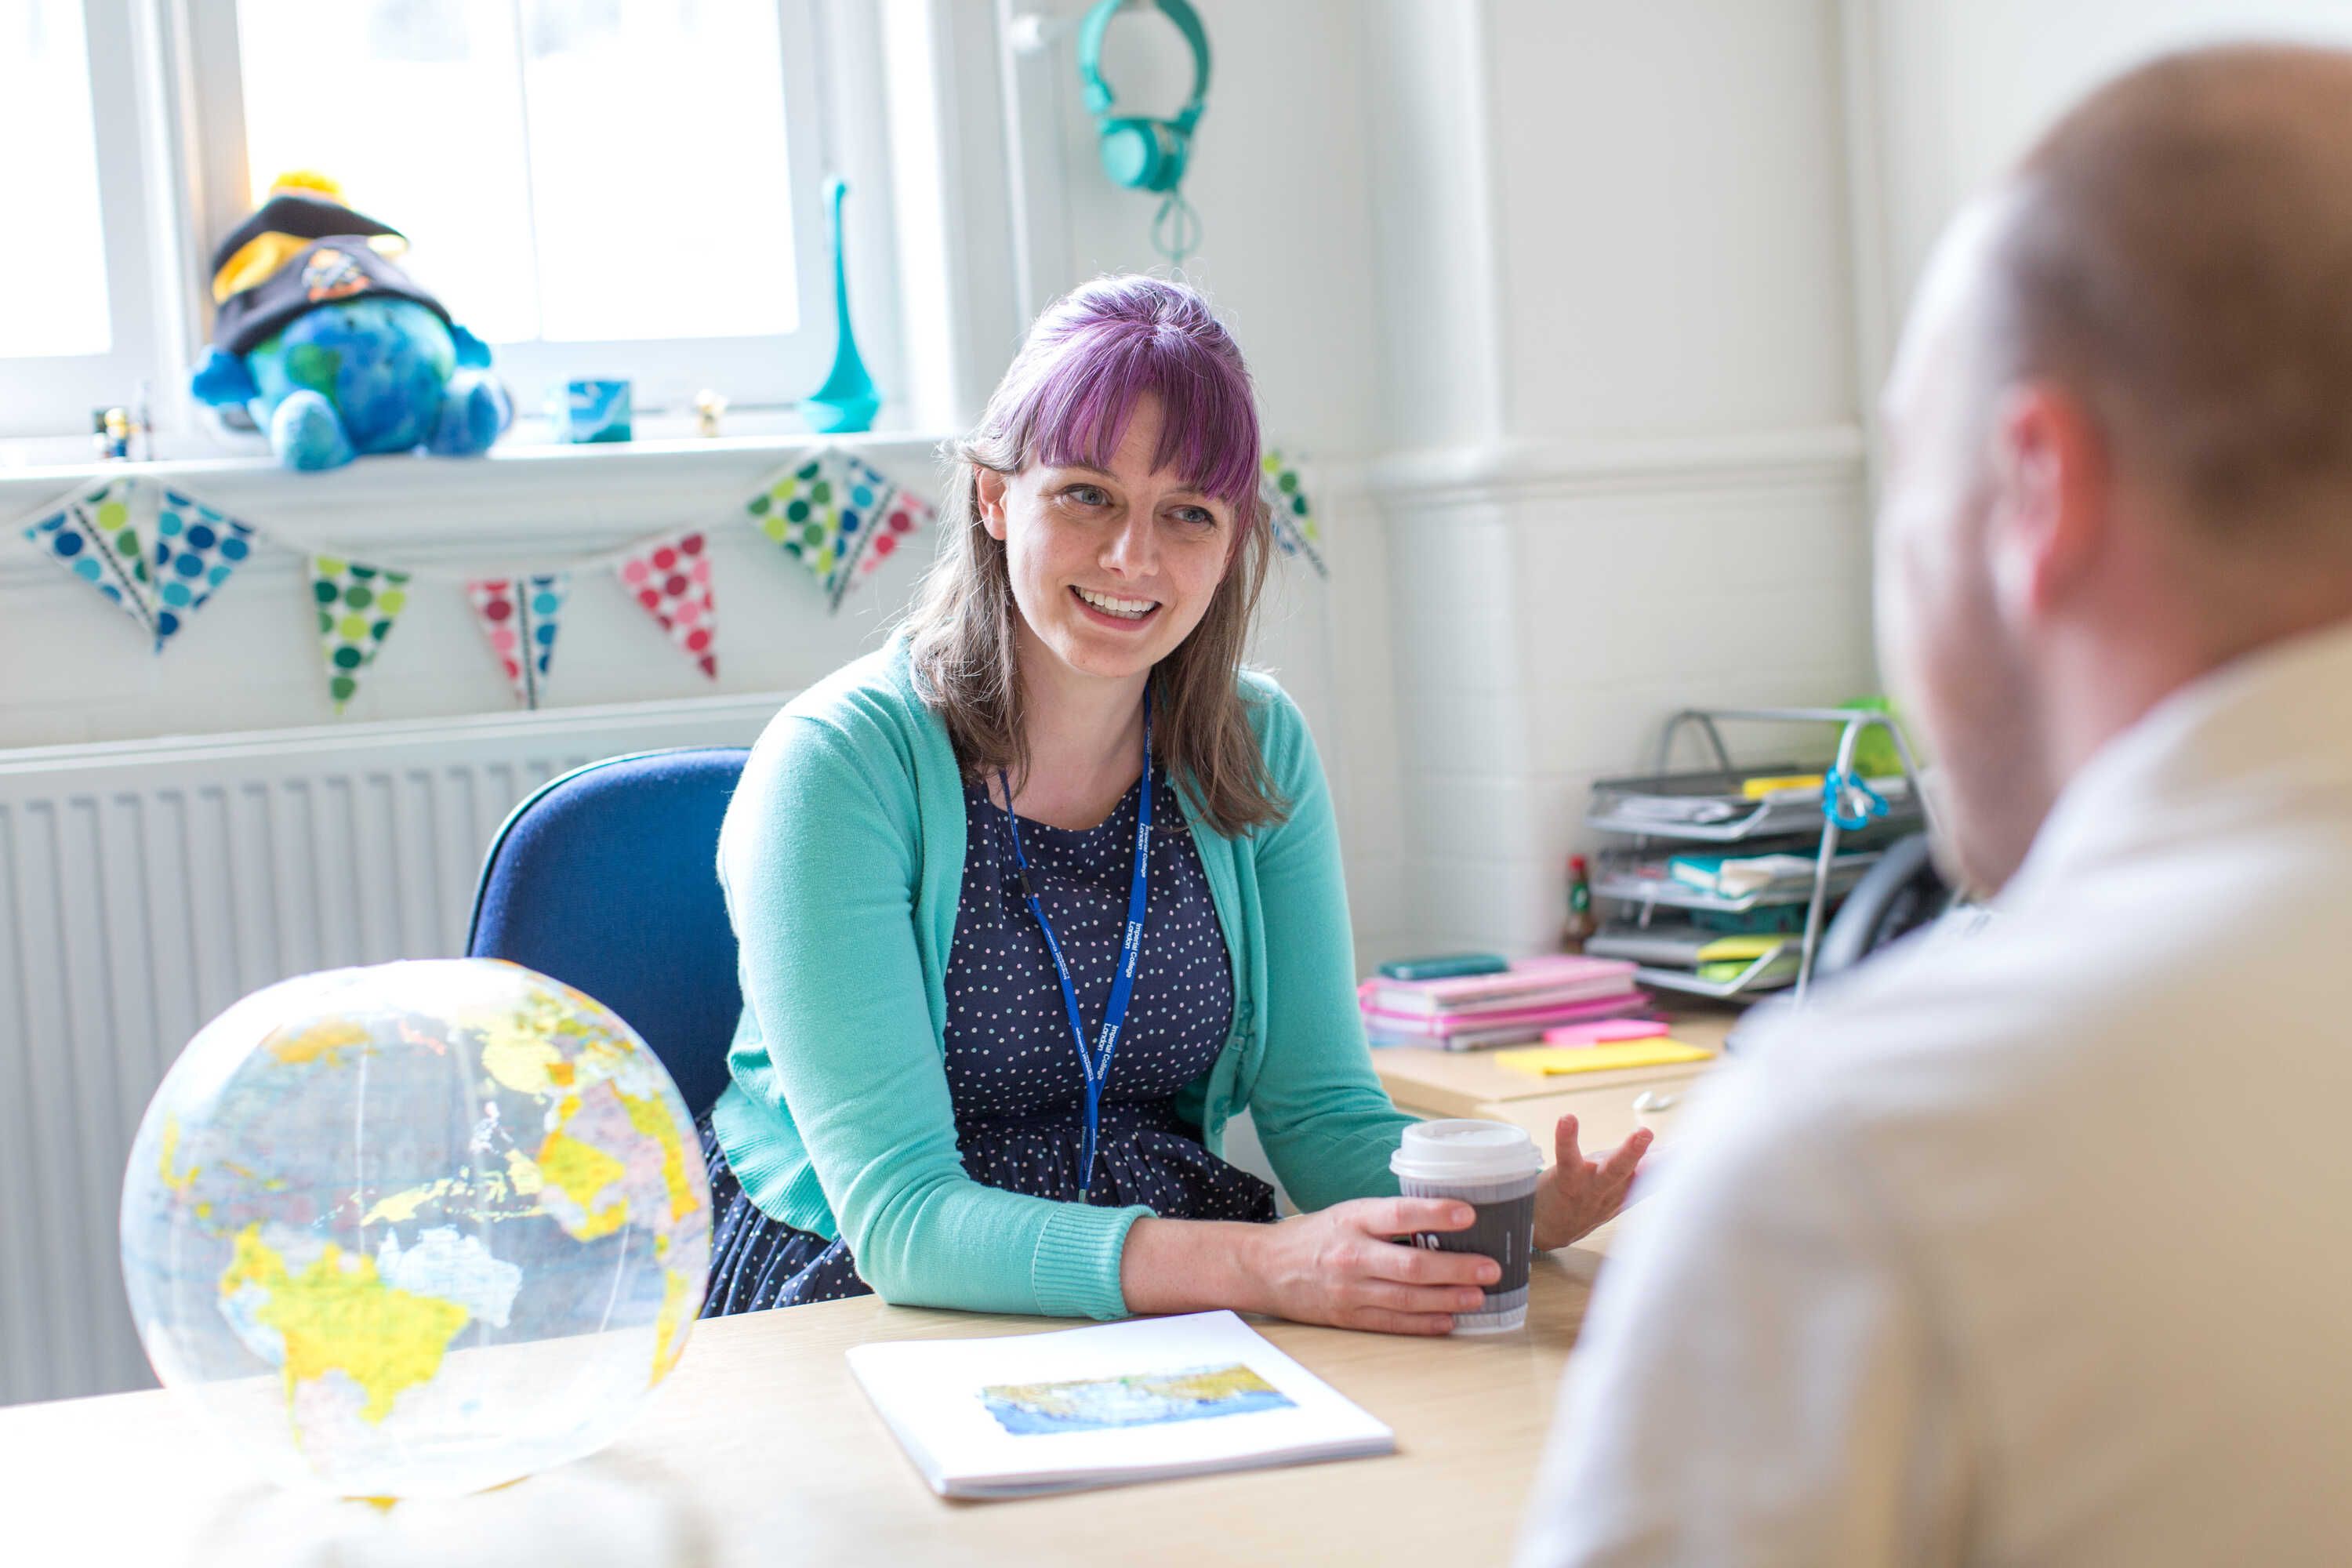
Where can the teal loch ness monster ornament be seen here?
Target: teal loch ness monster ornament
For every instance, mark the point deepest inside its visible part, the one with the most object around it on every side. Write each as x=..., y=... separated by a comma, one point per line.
x=847, y=401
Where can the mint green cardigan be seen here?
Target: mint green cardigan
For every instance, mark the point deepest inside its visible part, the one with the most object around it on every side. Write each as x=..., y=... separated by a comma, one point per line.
x=842, y=859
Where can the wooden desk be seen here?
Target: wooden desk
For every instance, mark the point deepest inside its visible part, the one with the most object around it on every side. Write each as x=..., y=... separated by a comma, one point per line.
x=760, y=1448
x=1607, y=1105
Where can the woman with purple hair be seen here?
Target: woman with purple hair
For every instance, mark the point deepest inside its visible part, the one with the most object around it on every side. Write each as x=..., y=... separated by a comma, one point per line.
x=1032, y=902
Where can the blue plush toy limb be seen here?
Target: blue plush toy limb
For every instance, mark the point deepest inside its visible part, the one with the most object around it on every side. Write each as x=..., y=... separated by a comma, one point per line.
x=305, y=434
x=473, y=411
x=472, y=352
x=222, y=380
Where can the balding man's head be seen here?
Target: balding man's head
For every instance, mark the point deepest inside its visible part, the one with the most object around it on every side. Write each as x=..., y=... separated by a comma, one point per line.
x=2119, y=429
x=2178, y=249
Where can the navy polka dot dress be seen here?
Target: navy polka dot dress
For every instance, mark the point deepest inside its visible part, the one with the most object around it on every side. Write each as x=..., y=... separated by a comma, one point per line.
x=1013, y=1071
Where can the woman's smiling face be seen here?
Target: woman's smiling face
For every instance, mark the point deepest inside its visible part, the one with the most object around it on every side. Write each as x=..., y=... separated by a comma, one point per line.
x=1113, y=567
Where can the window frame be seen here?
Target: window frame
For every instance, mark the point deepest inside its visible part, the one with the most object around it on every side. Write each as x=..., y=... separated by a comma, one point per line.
x=55, y=395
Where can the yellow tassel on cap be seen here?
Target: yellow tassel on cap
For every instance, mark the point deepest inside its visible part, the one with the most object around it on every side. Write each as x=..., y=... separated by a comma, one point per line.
x=307, y=183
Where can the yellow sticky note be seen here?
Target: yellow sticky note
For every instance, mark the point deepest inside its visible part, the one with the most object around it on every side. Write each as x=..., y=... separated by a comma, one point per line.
x=1547, y=1061
x=1757, y=789
x=1739, y=949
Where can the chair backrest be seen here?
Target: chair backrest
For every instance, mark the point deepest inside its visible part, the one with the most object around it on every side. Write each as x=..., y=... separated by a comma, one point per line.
x=608, y=880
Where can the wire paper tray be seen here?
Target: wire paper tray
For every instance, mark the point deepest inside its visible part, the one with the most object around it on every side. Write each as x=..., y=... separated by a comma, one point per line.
x=1775, y=971
x=1666, y=893
x=1708, y=807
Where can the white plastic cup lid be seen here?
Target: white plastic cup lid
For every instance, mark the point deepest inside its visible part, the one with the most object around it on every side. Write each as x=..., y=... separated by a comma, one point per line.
x=1465, y=1150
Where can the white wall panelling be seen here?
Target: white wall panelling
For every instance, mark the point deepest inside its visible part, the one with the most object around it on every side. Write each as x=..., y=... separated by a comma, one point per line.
x=1550, y=608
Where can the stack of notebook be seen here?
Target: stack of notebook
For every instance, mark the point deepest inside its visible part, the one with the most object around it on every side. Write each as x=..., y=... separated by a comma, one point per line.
x=1506, y=1009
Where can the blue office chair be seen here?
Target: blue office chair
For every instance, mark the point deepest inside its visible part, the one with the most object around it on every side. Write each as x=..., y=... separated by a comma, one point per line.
x=608, y=880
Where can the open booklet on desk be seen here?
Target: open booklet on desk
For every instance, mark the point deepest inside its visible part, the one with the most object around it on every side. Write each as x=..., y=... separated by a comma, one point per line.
x=1134, y=1401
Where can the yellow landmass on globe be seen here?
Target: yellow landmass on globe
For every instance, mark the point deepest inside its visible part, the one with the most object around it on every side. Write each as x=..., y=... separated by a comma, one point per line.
x=517, y=1052
x=667, y=1340
x=484, y=1195
x=523, y=1174
x=400, y=1207
x=325, y=1041
x=179, y=1182
x=579, y=1171
x=650, y=1116
x=346, y=1318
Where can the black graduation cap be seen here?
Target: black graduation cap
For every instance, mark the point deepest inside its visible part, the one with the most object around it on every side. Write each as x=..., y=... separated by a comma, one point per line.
x=295, y=254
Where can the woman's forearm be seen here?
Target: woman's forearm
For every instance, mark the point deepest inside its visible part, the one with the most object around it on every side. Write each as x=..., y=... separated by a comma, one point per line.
x=1191, y=1265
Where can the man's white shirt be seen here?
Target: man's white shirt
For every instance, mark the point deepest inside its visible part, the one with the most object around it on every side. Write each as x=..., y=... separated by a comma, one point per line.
x=2034, y=1248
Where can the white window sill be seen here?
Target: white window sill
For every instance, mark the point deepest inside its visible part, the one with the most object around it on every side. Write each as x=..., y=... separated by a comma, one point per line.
x=519, y=493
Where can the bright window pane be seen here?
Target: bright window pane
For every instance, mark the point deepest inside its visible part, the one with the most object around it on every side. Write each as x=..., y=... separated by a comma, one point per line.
x=572, y=170
x=53, y=267
x=412, y=107
x=658, y=169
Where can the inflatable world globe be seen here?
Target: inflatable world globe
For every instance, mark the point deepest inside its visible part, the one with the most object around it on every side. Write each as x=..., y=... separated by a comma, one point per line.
x=417, y=1230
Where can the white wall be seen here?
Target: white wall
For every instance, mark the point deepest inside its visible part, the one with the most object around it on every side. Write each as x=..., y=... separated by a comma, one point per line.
x=1963, y=87
x=1281, y=179
x=1673, y=215
x=1632, y=474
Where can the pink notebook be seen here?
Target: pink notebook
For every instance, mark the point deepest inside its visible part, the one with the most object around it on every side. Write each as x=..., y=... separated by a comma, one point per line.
x=1438, y=1026
x=1609, y=1031
x=1558, y=977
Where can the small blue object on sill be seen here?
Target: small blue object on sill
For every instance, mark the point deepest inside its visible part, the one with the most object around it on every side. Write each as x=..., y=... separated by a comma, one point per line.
x=591, y=411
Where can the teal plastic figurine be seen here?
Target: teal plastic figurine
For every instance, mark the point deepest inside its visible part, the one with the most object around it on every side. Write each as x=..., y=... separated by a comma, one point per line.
x=334, y=350
x=847, y=401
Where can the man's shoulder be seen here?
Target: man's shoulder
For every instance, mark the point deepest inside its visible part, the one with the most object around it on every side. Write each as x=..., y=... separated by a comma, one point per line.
x=1995, y=994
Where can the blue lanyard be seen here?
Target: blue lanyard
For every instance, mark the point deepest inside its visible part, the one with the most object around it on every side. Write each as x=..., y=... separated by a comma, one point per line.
x=1096, y=1064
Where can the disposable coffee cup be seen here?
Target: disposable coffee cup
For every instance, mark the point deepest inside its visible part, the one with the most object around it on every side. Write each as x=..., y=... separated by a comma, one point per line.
x=1494, y=1167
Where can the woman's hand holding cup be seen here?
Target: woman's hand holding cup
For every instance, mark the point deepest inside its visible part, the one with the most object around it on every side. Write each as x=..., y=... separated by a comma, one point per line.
x=1345, y=1266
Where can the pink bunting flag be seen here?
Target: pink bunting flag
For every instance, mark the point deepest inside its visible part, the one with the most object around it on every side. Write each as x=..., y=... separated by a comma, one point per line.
x=901, y=517
x=518, y=617
x=672, y=581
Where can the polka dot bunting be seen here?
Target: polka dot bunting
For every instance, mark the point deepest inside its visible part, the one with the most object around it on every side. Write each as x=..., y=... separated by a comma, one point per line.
x=1287, y=511
x=837, y=517
x=518, y=617
x=156, y=555
x=196, y=549
x=672, y=580
x=356, y=606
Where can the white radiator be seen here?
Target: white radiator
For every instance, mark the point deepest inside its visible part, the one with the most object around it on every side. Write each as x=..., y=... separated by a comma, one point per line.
x=145, y=886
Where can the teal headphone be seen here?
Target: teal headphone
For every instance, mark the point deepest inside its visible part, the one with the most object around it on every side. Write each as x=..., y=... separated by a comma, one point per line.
x=1139, y=153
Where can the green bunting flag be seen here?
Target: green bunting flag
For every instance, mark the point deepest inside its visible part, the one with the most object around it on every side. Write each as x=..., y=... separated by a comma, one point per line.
x=837, y=517
x=357, y=607
x=1288, y=512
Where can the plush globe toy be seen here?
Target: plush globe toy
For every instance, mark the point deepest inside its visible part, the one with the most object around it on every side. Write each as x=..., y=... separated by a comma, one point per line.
x=334, y=350
x=416, y=1230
